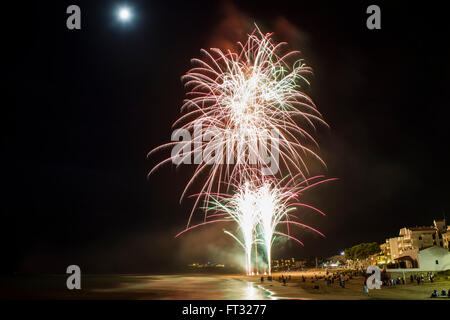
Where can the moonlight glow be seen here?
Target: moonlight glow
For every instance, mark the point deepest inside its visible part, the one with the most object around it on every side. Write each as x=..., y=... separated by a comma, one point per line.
x=124, y=14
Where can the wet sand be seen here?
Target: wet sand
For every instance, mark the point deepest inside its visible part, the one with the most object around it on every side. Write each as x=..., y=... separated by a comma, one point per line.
x=132, y=287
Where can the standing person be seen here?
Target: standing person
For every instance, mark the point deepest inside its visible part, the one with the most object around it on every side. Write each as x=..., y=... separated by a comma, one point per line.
x=411, y=277
x=366, y=290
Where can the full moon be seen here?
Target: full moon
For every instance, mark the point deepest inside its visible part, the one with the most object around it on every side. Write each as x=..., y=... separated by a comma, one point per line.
x=124, y=14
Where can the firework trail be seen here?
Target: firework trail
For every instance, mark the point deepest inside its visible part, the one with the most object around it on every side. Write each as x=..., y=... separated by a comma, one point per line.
x=258, y=208
x=237, y=105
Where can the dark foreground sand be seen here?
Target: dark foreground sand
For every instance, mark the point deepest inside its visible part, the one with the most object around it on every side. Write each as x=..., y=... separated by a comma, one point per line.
x=296, y=289
x=205, y=287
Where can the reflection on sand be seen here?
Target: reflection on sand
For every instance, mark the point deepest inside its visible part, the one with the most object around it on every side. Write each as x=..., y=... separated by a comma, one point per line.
x=192, y=287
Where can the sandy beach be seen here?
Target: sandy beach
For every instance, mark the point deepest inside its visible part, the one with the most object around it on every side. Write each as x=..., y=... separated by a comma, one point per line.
x=297, y=289
x=208, y=287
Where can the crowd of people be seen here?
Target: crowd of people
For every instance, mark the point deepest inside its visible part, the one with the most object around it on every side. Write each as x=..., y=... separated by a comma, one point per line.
x=282, y=279
x=393, y=282
x=342, y=277
x=420, y=278
x=443, y=294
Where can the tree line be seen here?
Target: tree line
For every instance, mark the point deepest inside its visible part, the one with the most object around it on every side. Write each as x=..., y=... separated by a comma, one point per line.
x=362, y=250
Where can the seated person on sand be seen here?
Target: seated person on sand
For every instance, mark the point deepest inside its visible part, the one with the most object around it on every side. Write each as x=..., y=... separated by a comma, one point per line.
x=434, y=294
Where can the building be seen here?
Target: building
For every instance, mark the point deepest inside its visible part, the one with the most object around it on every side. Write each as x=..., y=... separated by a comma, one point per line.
x=206, y=265
x=286, y=264
x=385, y=255
x=419, y=247
x=434, y=259
x=446, y=238
x=417, y=238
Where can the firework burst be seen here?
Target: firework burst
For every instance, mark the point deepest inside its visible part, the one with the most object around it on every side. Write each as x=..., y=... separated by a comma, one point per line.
x=244, y=110
x=247, y=116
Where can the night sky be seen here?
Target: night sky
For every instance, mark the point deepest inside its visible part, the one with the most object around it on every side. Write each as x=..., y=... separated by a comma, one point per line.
x=81, y=109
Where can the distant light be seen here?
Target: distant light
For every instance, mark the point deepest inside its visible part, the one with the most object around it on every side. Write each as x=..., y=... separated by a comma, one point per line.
x=342, y=253
x=124, y=14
